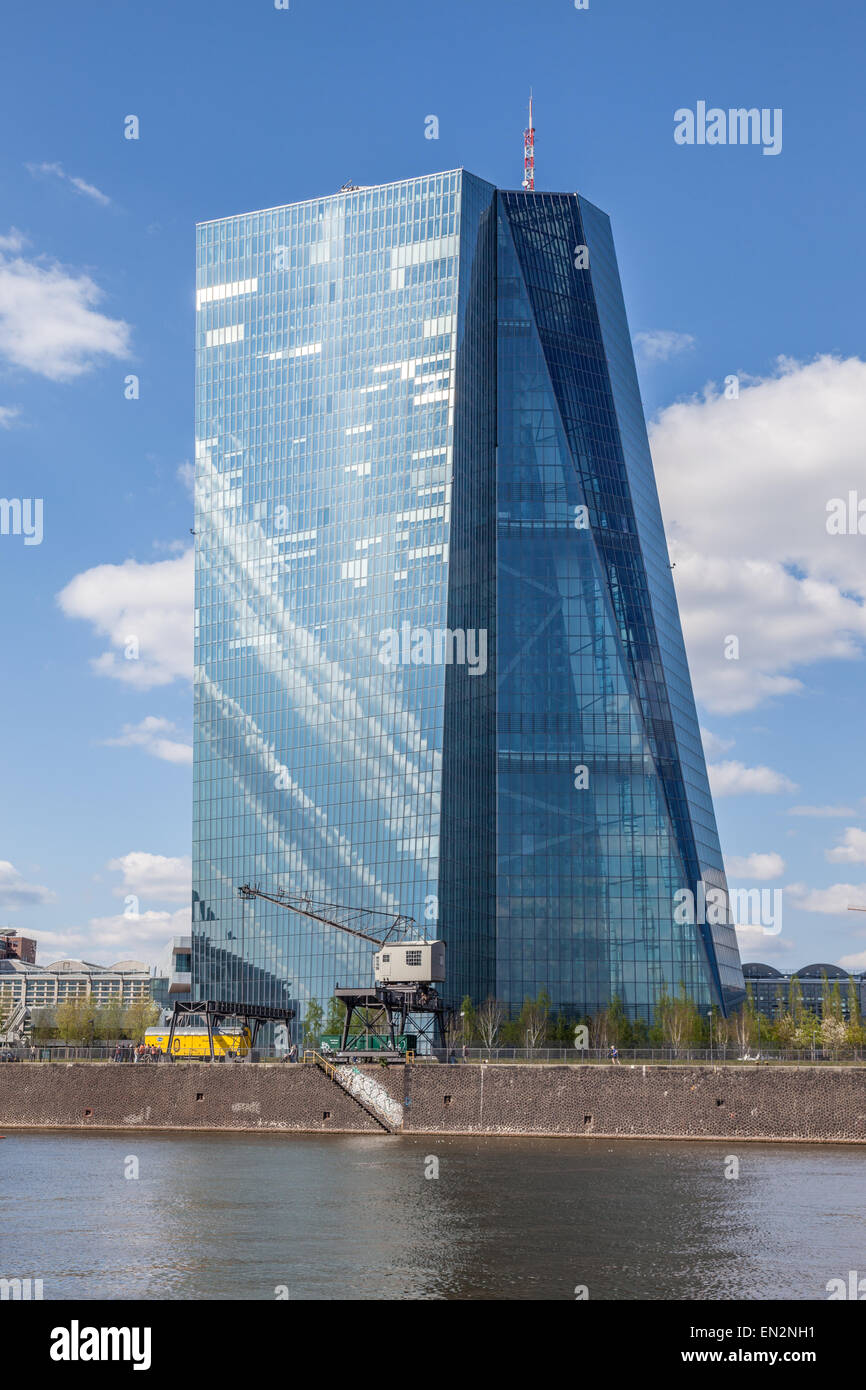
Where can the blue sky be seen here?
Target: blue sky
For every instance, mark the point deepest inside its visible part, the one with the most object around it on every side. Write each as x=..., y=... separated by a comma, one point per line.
x=733, y=263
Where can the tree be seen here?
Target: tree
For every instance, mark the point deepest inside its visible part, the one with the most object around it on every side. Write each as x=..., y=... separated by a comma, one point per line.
x=313, y=1023
x=87, y=1020
x=467, y=1021
x=140, y=1015
x=489, y=1022
x=834, y=1035
x=73, y=1019
x=679, y=1019
x=613, y=1026
x=796, y=1007
x=618, y=1024
x=599, y=1029
x=562, y=1032
x=853, y=1002
x=660, y=1012
x=533, y=1019
x=746, y=1021
x=109, y=1019
x=831, y=1000
x=786, y=1031
x=806, y=1032
x=335, y=1017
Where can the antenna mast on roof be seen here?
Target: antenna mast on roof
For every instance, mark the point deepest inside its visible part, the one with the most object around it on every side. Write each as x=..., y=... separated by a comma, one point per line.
x=529, y=152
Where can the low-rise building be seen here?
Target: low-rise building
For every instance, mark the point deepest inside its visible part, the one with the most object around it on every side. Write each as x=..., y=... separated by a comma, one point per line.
x=47, y=986
x=813, y=984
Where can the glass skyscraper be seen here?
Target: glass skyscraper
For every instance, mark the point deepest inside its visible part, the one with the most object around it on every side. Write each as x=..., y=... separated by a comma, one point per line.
x=439, y=663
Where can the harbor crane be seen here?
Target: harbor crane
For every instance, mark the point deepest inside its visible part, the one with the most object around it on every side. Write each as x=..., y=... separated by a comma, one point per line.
x=406, y=967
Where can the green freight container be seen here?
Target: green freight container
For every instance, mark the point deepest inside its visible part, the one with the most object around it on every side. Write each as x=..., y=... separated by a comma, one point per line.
x=369, y=1042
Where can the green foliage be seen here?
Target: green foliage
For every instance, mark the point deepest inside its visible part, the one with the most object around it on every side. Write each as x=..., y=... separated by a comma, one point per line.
x=75, y=1020
x=854, y=1021
x=313, y=1023
x=467, y=1020
x=138, y=1017
x=335, y=1017
x=533, y=1020
x=110, y=1019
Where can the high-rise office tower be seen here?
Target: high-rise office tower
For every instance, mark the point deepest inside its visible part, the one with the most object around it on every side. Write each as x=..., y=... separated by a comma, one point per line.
x=439, y=663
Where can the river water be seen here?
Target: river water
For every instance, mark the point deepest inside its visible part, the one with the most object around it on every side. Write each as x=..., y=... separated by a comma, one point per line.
x=256, y=1216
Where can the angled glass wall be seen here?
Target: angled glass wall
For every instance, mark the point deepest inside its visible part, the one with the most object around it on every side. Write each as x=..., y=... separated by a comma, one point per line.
x=329, y=334
x=562, y=462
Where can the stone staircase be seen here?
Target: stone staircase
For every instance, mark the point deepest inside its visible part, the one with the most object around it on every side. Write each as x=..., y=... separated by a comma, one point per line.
x=369, y=1093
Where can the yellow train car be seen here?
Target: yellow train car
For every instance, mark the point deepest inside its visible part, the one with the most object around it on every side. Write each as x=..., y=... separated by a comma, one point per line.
x=193, y=1042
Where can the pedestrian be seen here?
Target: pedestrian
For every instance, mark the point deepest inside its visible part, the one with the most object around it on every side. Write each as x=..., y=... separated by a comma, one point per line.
x=452, y=1057
x=465, y=1053
x=118, y=1055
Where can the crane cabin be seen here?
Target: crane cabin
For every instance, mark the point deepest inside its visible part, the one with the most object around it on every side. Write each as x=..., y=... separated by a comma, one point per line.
x=410, y=962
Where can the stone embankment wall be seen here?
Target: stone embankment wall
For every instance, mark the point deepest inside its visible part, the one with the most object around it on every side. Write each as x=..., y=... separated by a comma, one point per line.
x=682, y=1102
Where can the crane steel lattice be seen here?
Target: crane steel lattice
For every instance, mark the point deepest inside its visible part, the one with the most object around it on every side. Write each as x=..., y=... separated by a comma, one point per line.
x=397, y=999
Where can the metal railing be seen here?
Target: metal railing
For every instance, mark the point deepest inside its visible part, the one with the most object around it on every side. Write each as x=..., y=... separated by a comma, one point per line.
x=311, y=1057
x=63, y=1052
x=632, y=1055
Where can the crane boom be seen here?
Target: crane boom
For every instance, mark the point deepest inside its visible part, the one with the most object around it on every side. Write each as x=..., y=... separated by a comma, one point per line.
x=332, y=915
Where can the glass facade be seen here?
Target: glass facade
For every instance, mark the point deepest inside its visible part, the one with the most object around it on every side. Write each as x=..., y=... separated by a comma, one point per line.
x=439, y=667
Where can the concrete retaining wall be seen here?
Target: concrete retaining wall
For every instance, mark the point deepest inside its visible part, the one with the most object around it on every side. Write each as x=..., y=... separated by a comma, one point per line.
x=185, y=1095
x=682, y=1102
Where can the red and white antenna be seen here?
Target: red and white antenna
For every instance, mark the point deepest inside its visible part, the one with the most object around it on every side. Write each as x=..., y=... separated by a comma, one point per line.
x=529, y=152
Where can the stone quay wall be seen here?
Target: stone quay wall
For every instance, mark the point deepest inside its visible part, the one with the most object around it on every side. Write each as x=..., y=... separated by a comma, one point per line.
x=821, y=1104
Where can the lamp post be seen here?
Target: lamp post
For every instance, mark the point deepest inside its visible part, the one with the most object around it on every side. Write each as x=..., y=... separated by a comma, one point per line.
x=710, y=1017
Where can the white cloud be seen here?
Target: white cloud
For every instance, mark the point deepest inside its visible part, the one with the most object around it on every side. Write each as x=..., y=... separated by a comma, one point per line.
x=8, y=414
x=744, y=485
x=106, y=940
x=154, y=876
x=830, y=812
x=78, y=184
x=13, y=241
x=142, y=608
x=835, y=899
x=756, y=867
x=734, y=779
x=758, y=945
x=852, y=849
x=186, y=476
x=16, y=892
x=661, y=344
x=153, y=735
x=713, y=745
x=853, y=963
x=48, y=320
